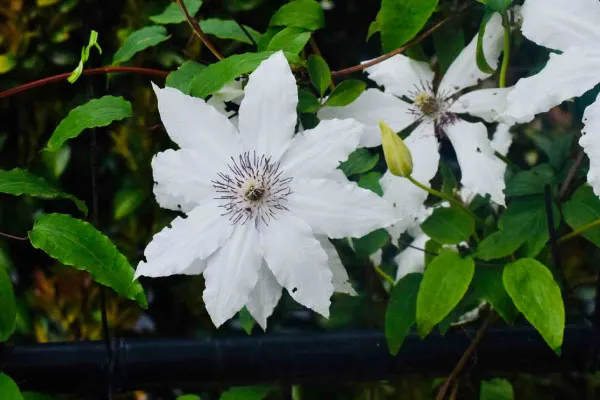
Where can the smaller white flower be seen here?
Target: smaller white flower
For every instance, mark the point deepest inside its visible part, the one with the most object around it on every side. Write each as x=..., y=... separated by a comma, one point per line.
x=260, y=201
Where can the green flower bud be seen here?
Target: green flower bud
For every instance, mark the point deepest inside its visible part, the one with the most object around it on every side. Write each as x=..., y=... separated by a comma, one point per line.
x=397, y=155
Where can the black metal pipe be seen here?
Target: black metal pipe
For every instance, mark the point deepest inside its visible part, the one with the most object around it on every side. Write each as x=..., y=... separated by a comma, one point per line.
x=325, y=357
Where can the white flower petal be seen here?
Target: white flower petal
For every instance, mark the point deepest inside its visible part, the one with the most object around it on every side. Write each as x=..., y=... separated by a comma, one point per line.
x=298, y=262
x=340, y=279
x=561, y=24
x=193, y=124
x=339, y=209
x=231, y=92
x=268, y=112
x=487, y=104
x=317, y=152
x=482, y=172
x=232, y=274
x=407, y=198
x=570, y=74
x=370, y=107
x=264, y=297
x=173, y=249
x=411, y=260
x=196, y=268
x=401, y=75
x=464, y=71
x=590, y=142
x=502, y=139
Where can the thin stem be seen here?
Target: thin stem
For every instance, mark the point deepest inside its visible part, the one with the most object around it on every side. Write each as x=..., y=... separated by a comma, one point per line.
x=571, y=174
x=14, y=237
x=383, y=274
x=198, y=31
x=445, y=197
x=466, y=355
x=506, y=57
x=579, y=231
x=90, y=71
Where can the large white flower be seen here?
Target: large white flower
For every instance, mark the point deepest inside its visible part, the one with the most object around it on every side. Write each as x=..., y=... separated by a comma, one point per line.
x=435, y=111
x=259, y=200
x=571, y=26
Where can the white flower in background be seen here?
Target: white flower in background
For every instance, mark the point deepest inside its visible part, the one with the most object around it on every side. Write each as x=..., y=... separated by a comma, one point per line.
x=258, y=200
x=434, y=111
x=571, y=26
x=230, y=93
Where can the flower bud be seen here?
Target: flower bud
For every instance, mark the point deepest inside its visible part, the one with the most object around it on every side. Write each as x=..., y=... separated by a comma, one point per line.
x=397, y=155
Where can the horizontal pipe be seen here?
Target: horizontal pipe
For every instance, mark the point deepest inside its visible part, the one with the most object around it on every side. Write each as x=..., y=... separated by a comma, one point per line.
x=78, y=367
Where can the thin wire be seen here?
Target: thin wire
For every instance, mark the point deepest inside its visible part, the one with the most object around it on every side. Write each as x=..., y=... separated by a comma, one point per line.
x=243, y=28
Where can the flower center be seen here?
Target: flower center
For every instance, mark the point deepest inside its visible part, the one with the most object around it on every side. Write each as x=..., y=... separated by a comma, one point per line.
x=254, y=189
x=429, y=105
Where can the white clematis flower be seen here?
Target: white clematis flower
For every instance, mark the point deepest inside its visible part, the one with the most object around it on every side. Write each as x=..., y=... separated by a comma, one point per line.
x=570, y=26
x=435, y=111
x=259, y=201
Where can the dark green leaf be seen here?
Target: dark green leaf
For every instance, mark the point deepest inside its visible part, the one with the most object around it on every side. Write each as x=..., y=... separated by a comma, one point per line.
x=21, y=182
x=496, y=389
x=401, y=311
x=77, y=243
x=346, y=92
x=8, y=310
x=246, y=393
x=359, y=161
x=556, y=147
x=307, y=102
x=126, y=202
x=432, y=248
x=319, y=73
x=246, y=320
x=173, y=14
x=9, y=389
x=229, y=29
x=480, y=55
x=449, y=181
x=448, y=42
x=94, y=113
x=290, y=39
x=488, y=286
x=581, y=209
x=445, y=282
x=370, y=243
x=140, y=40
x=56, y=161
x=306, y=14
x=529, y=182
x=449, y=225
x=535, y=293
x=182, y=78
x=496, y=5
x=370, y=181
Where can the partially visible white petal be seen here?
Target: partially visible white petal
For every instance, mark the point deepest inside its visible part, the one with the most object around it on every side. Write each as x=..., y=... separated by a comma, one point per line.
x=411, y=260
x=376, y=257
x=196, y=268
x=298, y=261
x=173, y=249
x=268, y=112
x=590, y=142
x=339, y=209
x=231, y=92
x=370, y=107
x=317, y=152
x=502, y=139
x=464, y=72
x=561, y=24
x=487, y=104
x=193, y=124
x=482, y=172
x=340, y=279
x=232, y=274
x=400, y=75
x=568, y=75
x=407, y=198
x=337, y=175
x=264, y=297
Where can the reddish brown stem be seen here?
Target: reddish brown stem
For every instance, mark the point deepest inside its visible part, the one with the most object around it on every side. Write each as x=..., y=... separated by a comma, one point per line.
x=91, y=71
x=13, y=237
x=198, y=31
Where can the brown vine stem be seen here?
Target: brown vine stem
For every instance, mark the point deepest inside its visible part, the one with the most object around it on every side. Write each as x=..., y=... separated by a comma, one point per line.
x=14, y=237
x=466, y=355
x=198, y=31
x=571, y=174
x=91, y=71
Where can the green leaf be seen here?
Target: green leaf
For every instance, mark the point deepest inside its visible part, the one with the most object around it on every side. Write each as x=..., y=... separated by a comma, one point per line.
x=7, y=63
x=536, y=294
x=85, y=55
x=346, y=92
x=448, y=42
x=401, y=313
x=370, y=243
x=445, y=282
x=173, y=14
x=9, y=389
x=21, y=182
x=126, y=202
x=487, y=285
x=246, y=393
x=290, y=39
x=581, y=209
x=56, y=161
x=359, y=161
x=307, y=102
x=8, y=310
x=449, y=225
x=449, y=181
x=496, y=5
x=182, y=78
x=94, y=113
x=480, y=55
x=77, y=243
x=400, y=20
x=496, y=389
x=229, y=29
x=246, y=320
x=306, y=14
x=319, y=72
x=140, y=40
x=370, y=181
x=556, y=147
x=529, y=182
